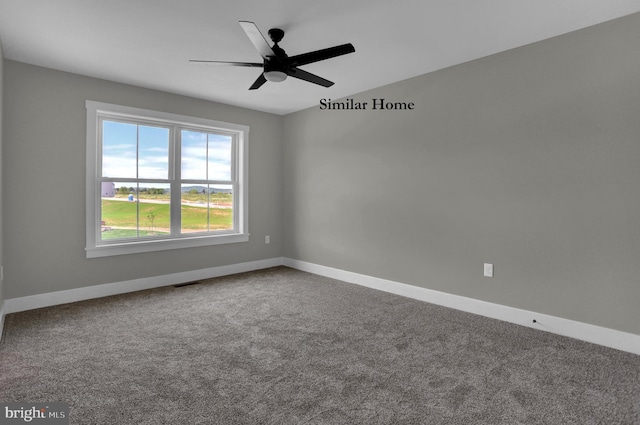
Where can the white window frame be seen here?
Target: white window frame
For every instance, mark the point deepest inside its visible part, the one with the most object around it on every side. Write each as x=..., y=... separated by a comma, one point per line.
x=96, y=247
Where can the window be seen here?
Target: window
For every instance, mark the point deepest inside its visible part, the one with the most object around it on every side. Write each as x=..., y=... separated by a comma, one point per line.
x=160, y=181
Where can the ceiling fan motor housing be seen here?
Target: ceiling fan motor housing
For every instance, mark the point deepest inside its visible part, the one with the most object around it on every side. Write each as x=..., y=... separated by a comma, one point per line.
x=276, y=68
x=273, y=64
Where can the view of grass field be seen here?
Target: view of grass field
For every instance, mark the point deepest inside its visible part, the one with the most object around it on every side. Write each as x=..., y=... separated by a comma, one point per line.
x=151, y=215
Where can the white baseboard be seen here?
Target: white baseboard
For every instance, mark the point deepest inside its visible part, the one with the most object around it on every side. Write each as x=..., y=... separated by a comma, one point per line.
x=14, y=305
x=583, y=331
x=612, y=338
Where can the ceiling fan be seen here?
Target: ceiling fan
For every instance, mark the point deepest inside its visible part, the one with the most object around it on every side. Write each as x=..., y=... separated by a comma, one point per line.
x=277, y=65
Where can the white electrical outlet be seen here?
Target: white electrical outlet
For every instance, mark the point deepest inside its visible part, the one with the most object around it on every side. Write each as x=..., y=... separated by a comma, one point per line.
x=488, y=270
x=267, y=239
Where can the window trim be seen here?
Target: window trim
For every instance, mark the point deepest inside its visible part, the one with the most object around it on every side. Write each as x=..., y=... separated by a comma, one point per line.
x=93, y=246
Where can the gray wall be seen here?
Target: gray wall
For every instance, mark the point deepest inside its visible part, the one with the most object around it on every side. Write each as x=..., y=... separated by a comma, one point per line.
x=2, y=296
x=44, y=208
x=529, y=159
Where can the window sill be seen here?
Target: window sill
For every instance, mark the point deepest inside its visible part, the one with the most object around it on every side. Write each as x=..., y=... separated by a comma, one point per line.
x=125, y=248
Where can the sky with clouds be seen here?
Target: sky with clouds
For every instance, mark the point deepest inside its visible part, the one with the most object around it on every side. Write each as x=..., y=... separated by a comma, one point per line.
x=138, y=151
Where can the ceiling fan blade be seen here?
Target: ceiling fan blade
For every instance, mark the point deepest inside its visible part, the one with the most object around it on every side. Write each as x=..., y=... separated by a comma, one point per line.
x=322, y=54
x=248, y=64
x=307, y=76
x=257, y=39
x=258, y=83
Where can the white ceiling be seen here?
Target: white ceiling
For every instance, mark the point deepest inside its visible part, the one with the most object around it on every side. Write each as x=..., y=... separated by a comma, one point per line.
x=148, y=43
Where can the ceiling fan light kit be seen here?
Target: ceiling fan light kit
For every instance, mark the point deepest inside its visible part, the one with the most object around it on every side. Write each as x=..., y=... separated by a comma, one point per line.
x=275, y=76
x=277, y=65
